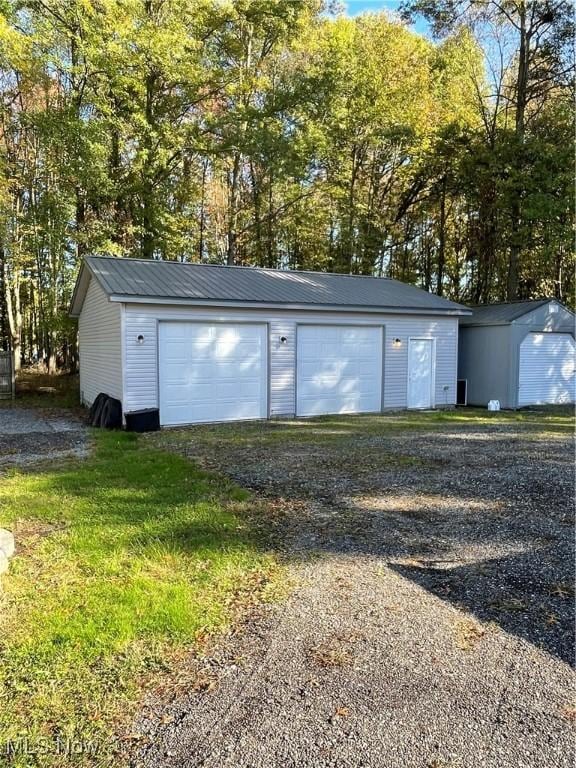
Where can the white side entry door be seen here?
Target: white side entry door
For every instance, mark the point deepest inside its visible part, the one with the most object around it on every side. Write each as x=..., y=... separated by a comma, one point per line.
x=421, y=373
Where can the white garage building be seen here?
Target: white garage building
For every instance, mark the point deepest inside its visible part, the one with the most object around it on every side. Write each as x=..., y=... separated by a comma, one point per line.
x=520, y=353
x=210, y=343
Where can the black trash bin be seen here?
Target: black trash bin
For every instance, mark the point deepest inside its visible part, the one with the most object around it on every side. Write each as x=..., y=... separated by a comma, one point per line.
x=146, y=420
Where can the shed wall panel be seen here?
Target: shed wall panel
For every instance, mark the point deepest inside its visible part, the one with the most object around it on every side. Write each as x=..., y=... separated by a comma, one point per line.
x=484, y=359
x=99, y=340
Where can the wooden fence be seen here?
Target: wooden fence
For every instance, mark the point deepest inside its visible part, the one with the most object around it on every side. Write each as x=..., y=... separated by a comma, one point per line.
x=7, y=383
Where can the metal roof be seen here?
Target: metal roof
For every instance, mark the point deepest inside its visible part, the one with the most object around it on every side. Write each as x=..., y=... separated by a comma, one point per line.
x=166, y=281
x=501, y=314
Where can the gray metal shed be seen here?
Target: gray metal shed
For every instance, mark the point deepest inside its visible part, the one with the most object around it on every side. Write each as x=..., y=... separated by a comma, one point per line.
x=520, y=353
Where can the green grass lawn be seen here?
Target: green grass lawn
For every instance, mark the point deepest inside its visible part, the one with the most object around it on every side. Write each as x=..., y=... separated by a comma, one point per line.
x=125, y=560
x=325, y=430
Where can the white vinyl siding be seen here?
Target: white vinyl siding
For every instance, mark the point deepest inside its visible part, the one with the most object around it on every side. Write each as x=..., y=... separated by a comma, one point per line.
x=282, y=366
x=445, y=331
x=141, y=360
x=100, y=345
x=547, y=369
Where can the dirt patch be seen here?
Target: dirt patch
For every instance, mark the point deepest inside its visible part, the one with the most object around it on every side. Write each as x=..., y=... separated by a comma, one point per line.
x=30, y=435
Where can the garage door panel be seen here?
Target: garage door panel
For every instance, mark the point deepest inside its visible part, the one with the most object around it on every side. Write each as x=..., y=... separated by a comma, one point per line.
x=177, y=370
x=197, y=412
x=234, y=390
x=212, y=372
x=547, y=369
x=213, y=352
x=251, y=363
x=178, y=396
x=173, y=350
x=319, y=406
x=317, y=371
x=364, y=368
x=177, y=332
x=203, y=390
x=307, y=350
x=339, y=370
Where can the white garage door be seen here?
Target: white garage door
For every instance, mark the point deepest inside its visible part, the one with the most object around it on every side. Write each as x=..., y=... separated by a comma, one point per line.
x=339, y=369
x=212, y=372
x=547, y=369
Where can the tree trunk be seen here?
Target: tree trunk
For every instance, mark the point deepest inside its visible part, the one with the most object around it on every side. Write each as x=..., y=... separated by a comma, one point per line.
x=118, y=201
x=270, y=242
x=256, y=202
x=148, y=243
x=558, y=292
x=234, y=201
x=14, y=312
x=202, y=212
x=234, y=205
x=148, y=240
x=347, y=248
x=519, y=127
x=80, y=203
x=441, y=240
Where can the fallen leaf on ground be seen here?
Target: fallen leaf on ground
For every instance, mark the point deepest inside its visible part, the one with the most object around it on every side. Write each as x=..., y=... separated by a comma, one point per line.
x=342, y=712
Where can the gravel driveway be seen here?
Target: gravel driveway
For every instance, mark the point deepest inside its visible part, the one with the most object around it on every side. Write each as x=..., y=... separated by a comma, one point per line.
x=29, y=435
x=431, y=623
